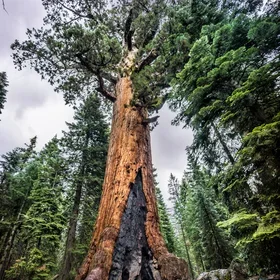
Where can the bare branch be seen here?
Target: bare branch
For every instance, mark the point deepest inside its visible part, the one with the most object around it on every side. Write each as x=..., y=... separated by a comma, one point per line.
x=100, y=76
x=143, y=6
x=103, y=91
x=107, y=76
x=90, y=16
x=4, y=7
x=150, y=120
x=106, y=94
x=147, y=60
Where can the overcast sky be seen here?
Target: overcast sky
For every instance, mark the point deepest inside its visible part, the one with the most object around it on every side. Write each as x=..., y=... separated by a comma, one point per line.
x=33, y=108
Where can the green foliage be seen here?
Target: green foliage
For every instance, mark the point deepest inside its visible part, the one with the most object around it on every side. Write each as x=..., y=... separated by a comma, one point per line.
x=165, y=224
x=83, y=48
x=269, y=227
x=3, y=90
x=33, y=268
x=43, y=223
x=249, y=225
x=16, y=178
x=228, y=93
x=85, y=146
x=245, y=223
x=38, y=193
x=210, y=246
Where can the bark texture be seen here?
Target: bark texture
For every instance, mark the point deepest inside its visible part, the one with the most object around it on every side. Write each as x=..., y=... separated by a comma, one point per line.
x=132, y=257
x=129, y=154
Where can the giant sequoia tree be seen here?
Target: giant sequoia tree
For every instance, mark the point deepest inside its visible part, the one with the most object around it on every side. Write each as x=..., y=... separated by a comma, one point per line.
x=119, y=50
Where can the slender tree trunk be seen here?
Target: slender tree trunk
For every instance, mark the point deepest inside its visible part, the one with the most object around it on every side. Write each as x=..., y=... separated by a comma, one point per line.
x=70, y=241
x=4, y=241
x=225, y=147
x=187, y=251
x=201, y=262
x=127, y=243
x=6, y=258
x=223, y=262
x=71, y=234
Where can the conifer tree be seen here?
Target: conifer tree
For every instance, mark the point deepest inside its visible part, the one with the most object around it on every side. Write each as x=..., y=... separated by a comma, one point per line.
x=230, y=85
x=43, y=222
x=86, y=146
x=197, y=213
x=177, y=197
x=217, y=252
x=165, y=224
x=16, y=184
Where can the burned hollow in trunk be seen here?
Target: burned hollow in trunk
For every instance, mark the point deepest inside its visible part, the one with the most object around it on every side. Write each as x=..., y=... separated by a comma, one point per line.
x=132, y=258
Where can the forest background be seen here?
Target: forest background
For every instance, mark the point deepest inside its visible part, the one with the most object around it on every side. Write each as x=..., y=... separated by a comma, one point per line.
x=227, y=205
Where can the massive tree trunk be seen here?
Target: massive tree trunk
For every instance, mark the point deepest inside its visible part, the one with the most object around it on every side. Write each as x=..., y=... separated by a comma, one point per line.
x=127, y=243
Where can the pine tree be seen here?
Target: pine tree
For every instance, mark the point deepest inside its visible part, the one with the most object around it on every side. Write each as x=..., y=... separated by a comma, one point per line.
x=197, y=213
x=165, y=225
x=114, y=50
x=43, y=222
x=177, y=197
x=86, y=146
x=16, y=183
x=228, y=91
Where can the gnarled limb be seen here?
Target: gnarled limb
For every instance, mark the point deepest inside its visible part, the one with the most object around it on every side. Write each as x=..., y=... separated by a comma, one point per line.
x=147, y=60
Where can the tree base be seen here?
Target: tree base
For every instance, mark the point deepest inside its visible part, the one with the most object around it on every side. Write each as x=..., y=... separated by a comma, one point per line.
x=132, y=257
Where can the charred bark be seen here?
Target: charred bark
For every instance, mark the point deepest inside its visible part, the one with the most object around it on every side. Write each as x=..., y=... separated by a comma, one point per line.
x=129, y=152
x=132, y=256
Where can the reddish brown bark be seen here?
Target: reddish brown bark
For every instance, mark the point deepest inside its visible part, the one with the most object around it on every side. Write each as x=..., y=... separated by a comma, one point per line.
x=129, y=151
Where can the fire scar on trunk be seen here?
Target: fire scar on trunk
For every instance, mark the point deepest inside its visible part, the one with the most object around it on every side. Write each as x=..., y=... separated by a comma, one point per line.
x=132, y=258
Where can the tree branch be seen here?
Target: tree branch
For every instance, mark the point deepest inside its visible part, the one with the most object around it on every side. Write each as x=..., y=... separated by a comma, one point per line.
x=4, y=7
x=127, y=32
x=90, y=16
x=101, y=89
x=100, y=76
x=147, y=60
x=107, y=76
x=150, y=120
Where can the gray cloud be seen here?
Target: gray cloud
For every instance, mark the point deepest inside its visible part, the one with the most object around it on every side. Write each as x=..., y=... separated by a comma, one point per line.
x=10, y=136
x=28, y=92
x=25, y=89
x=22, y=14
x=32, y=107
x=168, y=149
